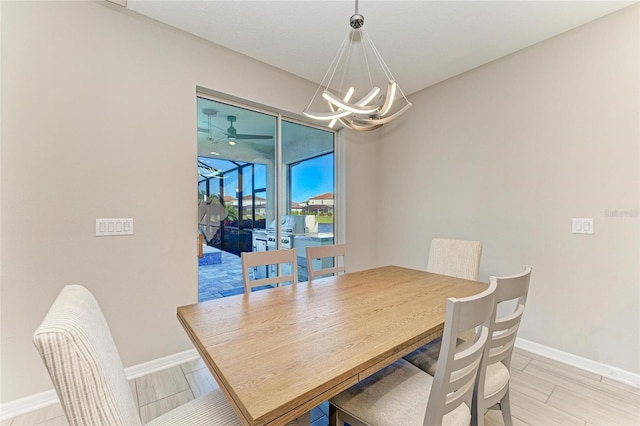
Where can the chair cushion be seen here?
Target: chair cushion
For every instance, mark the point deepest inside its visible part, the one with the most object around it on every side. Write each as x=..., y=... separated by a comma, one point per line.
x=497, y=378
x=426, y=357
x=211, y=409
x=396, y=395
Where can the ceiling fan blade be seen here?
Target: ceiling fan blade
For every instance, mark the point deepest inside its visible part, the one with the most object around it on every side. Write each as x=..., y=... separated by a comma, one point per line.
x=243, y=136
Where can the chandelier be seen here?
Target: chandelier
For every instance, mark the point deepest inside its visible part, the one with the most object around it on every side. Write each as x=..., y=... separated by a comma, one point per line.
x=360, y=105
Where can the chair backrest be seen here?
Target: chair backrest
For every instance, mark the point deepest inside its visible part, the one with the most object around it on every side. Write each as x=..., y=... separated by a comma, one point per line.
x=268, y=258
x=456, y=258
x=78, y=350
x=503, y=329
x=337, y=252
x=458, y=367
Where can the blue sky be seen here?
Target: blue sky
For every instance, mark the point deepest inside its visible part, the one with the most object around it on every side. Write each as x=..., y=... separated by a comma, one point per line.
x=309, y=178
x=312, y=177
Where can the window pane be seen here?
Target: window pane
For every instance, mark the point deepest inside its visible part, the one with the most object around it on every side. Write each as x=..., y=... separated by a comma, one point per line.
x=308, y=185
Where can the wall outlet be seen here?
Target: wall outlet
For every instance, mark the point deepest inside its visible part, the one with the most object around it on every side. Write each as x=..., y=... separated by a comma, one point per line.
x=111, y=227
x=582, y=225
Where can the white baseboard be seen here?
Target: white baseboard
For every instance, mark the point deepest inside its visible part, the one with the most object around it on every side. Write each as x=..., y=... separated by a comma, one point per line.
x=599, y=368
x=143, y=369
x=43, y=399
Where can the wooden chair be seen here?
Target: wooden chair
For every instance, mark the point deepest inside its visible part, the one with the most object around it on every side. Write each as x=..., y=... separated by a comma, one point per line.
x=337, y=252
x=268, y=258
x=78, y=350
x=492, y=387
x=402, y=394
x=456, y=258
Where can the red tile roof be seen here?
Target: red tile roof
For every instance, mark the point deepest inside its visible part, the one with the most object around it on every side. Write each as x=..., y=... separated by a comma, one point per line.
x=325, y=196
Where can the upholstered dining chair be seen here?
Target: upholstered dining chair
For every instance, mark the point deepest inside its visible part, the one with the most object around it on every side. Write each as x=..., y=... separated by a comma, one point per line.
x=402, y=394
x=456, y=258
x=269, y=258
x=337, y=252
x=78, y=350
x=492, y=387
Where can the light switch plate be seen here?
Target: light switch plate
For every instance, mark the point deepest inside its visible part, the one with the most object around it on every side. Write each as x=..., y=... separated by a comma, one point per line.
x=111, y=227
x=582, y=225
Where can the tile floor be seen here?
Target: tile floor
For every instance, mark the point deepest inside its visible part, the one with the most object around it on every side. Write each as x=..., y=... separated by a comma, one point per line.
x=220, y=280
x=543, y=392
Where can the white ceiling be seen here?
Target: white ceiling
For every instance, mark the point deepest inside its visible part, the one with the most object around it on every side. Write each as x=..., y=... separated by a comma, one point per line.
x=422, y=42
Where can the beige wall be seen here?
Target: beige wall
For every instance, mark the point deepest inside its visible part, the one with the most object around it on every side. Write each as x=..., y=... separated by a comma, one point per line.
x=507, y=154
x=98, y=120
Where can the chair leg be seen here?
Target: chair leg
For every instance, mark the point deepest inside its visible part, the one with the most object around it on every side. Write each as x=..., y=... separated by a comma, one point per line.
x=334, y=419
x=477, y=419
x=505, y=408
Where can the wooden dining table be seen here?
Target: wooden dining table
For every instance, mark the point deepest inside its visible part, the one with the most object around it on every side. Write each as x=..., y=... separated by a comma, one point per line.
x=280, y=352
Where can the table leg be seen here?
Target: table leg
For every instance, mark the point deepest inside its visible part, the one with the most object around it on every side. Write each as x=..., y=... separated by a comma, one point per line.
x=305, y=419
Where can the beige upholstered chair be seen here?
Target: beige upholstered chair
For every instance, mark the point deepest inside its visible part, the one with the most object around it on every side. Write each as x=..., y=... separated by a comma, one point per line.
x=402, y=394
x=337, y=252
x=269, y=258
x=77, y=348
x=492, y=388
x=456, y=258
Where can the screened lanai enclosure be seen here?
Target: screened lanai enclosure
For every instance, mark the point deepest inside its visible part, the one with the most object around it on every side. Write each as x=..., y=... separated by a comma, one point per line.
x=259, y=189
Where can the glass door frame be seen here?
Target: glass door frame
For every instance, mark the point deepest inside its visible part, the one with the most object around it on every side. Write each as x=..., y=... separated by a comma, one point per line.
x=280, y=116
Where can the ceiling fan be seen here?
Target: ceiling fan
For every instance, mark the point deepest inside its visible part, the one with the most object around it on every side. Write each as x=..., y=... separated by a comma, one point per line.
x=231, y=133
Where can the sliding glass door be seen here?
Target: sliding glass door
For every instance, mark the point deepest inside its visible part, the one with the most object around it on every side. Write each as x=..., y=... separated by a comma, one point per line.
x=259, y=189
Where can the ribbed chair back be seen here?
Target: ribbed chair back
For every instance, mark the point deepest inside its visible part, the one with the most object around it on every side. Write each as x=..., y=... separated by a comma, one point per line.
x=456, y=258
x=78, y=350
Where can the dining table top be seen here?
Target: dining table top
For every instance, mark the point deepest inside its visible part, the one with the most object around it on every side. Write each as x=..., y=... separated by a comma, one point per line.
x=278, y=353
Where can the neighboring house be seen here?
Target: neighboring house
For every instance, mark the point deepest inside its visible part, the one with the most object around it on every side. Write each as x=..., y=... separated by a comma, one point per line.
x=320, y=205
x=296, y=208
x=247, y=203
x=325, y=199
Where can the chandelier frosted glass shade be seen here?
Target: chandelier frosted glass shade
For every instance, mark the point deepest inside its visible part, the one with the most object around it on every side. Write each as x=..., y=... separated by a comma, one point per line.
x=372, y=96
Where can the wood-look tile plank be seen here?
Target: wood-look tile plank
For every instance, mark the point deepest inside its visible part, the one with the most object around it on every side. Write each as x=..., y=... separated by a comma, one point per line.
x=565, y=370
x=624, y=386
x=56, y=421
x=39, y=416
x=201, y=382
x=196, y=364
x=590, y=409
x=519, y=361
x=536, y=413
x=161, y=384
x=531, y=386
x=618, y=399
x=494, y=418
x=157, y=408
x=134, y=393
